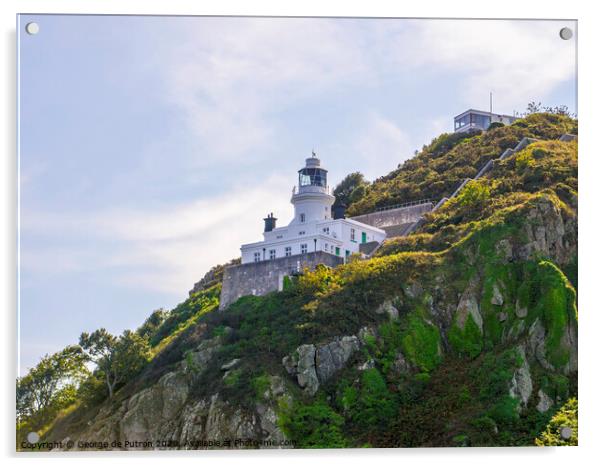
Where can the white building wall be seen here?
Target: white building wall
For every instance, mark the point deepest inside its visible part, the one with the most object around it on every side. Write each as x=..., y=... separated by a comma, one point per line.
x=338, y=234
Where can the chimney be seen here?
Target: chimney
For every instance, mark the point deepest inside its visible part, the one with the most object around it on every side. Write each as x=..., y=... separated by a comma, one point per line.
x=270, y=222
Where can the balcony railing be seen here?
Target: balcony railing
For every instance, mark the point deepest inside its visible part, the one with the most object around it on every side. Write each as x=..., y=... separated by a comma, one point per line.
x=310, y=189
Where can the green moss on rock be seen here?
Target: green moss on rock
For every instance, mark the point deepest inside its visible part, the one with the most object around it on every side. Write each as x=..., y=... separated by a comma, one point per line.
x=557, y=305
x=467, y=342
x=421, y=343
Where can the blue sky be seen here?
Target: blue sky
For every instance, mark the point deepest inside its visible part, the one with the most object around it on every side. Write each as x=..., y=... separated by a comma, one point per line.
x=152, y=147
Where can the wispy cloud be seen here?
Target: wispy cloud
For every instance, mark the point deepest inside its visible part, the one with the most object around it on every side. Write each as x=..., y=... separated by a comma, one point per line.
x=379, y=147
x=519, y=61
x=232, y=78
x=160, y=249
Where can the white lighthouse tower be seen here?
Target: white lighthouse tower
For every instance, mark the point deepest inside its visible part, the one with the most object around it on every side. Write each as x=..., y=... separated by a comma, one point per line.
x=312, y=200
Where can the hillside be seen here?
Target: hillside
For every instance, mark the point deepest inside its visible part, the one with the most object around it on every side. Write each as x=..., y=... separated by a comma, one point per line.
x=462, y=334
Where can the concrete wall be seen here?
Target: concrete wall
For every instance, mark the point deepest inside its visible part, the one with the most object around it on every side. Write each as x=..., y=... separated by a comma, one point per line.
x=393, y=217
x=259, y=278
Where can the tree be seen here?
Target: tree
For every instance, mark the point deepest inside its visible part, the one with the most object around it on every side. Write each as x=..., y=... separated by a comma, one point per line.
x=532, y=107
x=351, y=188
x=150, y=326
x=117, y=358
x=50, y=385
x=560, y=110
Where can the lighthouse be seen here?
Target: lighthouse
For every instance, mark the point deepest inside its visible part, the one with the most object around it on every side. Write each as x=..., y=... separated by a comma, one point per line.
x=312, y=229
x=311, y=198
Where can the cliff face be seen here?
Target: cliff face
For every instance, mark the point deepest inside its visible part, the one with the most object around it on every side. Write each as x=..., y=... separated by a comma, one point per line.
x=165, y=415
x=485, y=295
x=464, y=333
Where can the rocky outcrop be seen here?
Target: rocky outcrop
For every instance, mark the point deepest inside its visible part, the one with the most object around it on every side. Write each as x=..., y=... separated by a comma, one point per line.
x=302, y=365
x=469, y=305
x=544, y=403
x=520, y=310
x=568, y=341
x=313, y=365
x=149, y=414
x=546, y=233
x=388, y=308
x=167, y=416
x=497, y=298
x=521, y=385
x=196, y=361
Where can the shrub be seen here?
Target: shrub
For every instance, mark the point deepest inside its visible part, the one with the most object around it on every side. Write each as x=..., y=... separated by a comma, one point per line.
x=314, y=425
x=474, y=194
x=374, y=406
x=420, y=343
x=566, y=417
x=504, y=411
x=467, y=342
x=261, y=384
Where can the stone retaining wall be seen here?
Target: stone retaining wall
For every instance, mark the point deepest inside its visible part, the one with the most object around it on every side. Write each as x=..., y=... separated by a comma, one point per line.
x=259, y=278
x=394, y=217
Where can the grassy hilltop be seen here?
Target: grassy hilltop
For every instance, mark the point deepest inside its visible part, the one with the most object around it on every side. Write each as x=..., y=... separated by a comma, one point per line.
x=462, y=334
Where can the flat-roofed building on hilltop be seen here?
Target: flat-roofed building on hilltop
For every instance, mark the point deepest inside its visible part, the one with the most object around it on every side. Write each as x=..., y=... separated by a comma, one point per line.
x=474, y=120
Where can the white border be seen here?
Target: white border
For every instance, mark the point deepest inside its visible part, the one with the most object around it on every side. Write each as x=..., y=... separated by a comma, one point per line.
x=590, y=164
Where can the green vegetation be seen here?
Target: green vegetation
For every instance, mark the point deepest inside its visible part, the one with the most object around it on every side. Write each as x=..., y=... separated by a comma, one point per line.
x=117, y=358
x=314, y=425
x=351, y=189
x=557, y=304
x=49, y=388
x=420, y=378
x=450, y=158
x=565, y=418
x=420, y=343
x=375, y=406
x=467, y=341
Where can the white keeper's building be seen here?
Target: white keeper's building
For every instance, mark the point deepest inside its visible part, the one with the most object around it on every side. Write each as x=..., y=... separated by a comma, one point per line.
x=313, y=227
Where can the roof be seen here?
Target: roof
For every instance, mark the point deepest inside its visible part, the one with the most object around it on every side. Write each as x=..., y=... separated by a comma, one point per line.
x=483, y=112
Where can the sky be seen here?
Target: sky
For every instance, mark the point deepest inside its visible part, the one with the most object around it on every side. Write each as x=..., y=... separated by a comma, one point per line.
x=150, y=148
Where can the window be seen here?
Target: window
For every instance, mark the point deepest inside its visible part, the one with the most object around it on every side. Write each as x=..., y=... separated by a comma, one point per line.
x=364, y=237
x=272, y=254
x=337, y=251
x=287, y=251
x=257, y=256
x=312, y=177
x=482, y=121
x=331, y=248
x=304, y=248
x=347, y=252
x=326, y=247
x=302, y=218
x=353, y=234
x=302, y=232
x=326, y=230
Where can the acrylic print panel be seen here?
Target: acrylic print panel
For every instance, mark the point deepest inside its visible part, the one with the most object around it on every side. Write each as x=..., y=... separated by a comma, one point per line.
x=246, y=232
